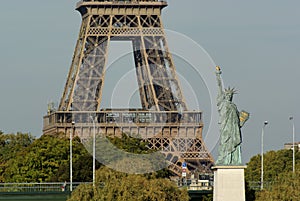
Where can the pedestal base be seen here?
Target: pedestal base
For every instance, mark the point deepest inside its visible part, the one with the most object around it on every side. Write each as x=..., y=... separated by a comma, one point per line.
x=229, y=183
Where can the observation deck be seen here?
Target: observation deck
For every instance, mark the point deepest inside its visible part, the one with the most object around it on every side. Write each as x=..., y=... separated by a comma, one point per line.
x=114, y=122
x=91, y=6
x=101, y=3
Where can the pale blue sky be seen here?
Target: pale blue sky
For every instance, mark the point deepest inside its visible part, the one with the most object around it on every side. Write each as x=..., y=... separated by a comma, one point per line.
x=257, y=44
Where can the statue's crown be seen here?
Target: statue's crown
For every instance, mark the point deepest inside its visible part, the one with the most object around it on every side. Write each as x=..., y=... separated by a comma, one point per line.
x=230, y=91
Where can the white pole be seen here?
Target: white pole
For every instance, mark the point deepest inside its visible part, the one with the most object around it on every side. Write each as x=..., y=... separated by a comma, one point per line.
x=94, y=151
x=262, y=156
x=262, y=160
x=71, y=163
x=293, y=146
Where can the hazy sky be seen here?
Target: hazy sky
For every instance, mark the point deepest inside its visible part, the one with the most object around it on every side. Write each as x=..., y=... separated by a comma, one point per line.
x=257, y=44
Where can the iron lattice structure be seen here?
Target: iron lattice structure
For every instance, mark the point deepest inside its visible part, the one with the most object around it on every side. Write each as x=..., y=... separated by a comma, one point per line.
x=164, y=120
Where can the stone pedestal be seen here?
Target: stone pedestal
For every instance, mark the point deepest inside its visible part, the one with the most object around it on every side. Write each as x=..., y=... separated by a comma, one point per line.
x=229, y=183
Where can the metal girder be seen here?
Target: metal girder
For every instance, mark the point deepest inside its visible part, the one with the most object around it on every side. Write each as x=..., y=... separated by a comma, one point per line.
x=178, y=150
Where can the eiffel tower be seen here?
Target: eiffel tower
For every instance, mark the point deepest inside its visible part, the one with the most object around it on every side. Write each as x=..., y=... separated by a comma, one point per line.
x=164, y=119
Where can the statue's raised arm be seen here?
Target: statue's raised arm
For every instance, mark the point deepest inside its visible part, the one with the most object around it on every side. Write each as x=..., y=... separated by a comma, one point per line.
x=219, y=81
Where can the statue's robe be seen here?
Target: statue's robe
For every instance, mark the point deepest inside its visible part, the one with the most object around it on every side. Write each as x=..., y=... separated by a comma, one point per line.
x=230, y=139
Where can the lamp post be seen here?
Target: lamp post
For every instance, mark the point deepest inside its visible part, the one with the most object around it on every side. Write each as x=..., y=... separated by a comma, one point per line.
x=293, y=125
x=262, y=155
x=71, y=150
x=94, y=151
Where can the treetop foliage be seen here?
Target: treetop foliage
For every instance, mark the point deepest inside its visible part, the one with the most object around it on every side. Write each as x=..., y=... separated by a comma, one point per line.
x=10, y=146
x=113, y=185
x=285, y=187
x=275, y=162
x=280, y=183
x=26, y=159
x=43, y=160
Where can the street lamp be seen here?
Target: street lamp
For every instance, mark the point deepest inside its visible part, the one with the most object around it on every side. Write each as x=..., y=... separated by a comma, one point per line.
x=94, y=151
x=262, y=155
x=71, y=150
x=293, y=125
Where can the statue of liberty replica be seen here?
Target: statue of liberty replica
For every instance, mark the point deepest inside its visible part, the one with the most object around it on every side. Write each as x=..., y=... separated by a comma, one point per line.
x=229, y=180
x=231, y=121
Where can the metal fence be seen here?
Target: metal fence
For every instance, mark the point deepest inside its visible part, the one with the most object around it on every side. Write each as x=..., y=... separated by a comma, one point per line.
x=38, y=187
x=256, y=185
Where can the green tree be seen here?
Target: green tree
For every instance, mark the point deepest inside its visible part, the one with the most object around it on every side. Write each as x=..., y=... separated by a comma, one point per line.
x=131, y=144
x=136, y=145
x=112, y=185
x=47, y=159
x=128, y=154
x=10, y=146
x=286, y=187
x=275, y=163
x=82, y=169
x=208, y=197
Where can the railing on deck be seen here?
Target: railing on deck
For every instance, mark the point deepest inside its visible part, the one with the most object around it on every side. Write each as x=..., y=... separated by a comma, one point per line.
x=120, y=1
x=38, y=187
x=124, y=116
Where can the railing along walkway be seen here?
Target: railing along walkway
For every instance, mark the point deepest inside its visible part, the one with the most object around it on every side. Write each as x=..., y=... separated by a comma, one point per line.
x=35, y=188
